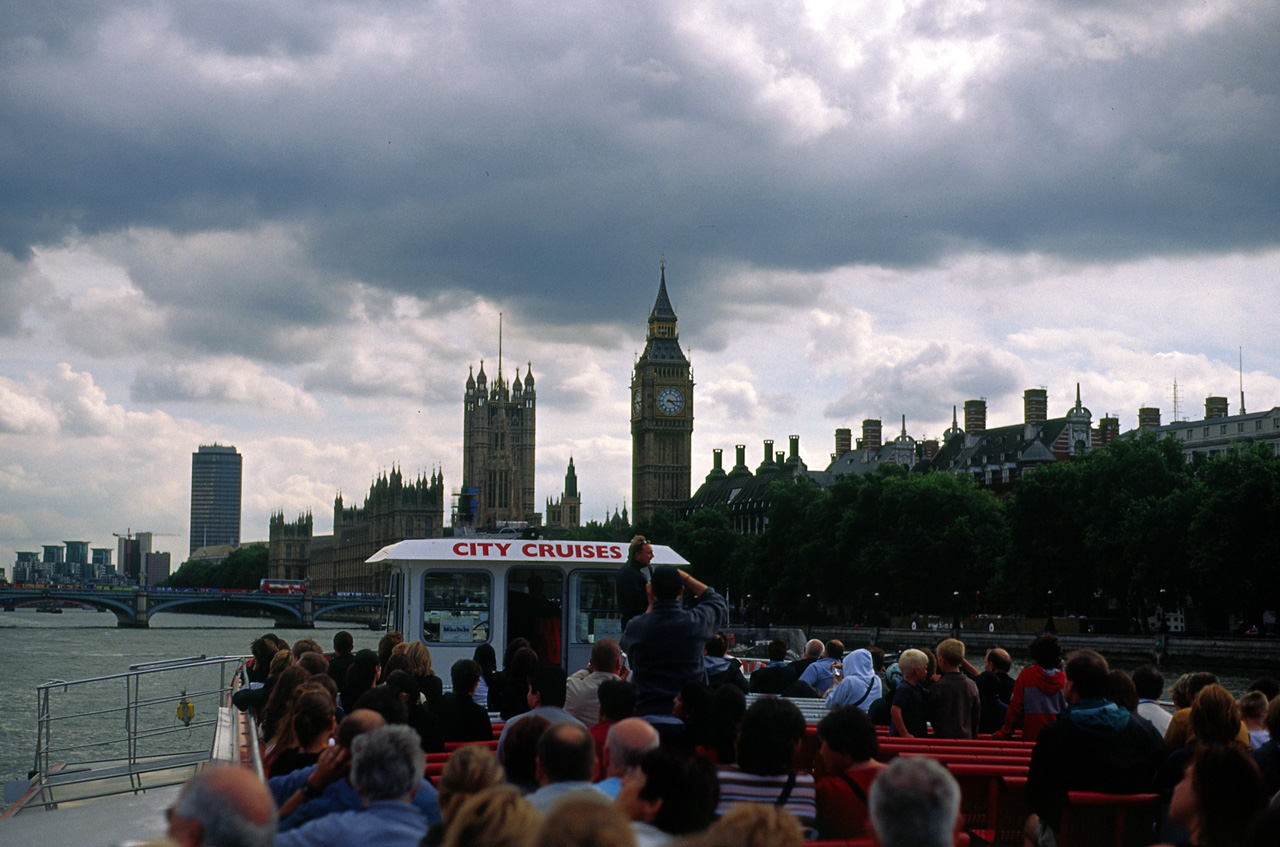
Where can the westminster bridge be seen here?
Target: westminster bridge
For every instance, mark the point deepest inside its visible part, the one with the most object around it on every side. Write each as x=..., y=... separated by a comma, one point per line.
x=134, y=606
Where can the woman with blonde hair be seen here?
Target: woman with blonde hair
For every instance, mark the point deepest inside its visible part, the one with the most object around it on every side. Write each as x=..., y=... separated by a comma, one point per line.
x=496, y=817
x=429, y=684
x=753, y=825
x=469, y=771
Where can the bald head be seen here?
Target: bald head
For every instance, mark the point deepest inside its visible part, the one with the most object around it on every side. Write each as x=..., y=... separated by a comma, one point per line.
x=627, y=742
x=223, y=806
x=358, y=723
x=998, y=660
x=813, y=650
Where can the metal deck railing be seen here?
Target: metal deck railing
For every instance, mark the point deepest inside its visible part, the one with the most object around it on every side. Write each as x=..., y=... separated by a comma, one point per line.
x=128, y=732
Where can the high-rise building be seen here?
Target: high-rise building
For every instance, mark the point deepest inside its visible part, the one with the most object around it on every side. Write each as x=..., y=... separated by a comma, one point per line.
x=661, y=415
x=216, y=475
x=499, y=423
x=132, y=550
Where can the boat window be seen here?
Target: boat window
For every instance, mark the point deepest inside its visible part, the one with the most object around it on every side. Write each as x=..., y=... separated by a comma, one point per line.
x=456, y=606
x=597, y=608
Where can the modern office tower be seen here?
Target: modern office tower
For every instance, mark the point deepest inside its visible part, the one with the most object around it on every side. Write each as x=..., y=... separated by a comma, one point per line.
x=216, y=474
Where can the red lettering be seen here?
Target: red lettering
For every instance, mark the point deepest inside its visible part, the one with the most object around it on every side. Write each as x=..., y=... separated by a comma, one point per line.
x=588, y=552
x=564, y=553
x=530, y=550
x=546, y=551
x=614, y=552
x=460, y=549
x=502, y=548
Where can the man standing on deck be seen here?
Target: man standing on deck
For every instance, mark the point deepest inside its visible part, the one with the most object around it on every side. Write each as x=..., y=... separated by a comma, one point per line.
x=633, y=579
x=665, y=644
x=223, y=806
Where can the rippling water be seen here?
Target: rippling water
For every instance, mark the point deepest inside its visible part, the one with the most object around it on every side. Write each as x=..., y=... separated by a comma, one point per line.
x=81, y=644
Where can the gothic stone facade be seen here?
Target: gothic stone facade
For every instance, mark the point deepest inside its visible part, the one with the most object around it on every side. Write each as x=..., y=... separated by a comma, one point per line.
x=661, y=415
x=499, y=425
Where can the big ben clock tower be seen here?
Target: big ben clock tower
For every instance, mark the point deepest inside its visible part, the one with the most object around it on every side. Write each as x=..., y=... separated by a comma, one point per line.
x=661, y=415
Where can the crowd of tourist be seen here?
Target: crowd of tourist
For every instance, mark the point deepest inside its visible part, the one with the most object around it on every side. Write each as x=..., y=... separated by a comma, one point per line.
x=669, y=752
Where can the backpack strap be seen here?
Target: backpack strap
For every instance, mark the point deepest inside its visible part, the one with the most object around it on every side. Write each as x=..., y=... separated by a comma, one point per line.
x=856, y=788
x=786, y=791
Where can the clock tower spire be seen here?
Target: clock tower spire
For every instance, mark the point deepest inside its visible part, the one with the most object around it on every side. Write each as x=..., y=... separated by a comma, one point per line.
x=661, y=414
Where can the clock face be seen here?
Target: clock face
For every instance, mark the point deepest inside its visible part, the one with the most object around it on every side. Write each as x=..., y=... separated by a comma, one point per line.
x=635, y=403
x=670, y=401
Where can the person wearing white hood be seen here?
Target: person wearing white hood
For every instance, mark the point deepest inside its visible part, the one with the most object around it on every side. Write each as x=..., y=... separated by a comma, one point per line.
x=860, y=686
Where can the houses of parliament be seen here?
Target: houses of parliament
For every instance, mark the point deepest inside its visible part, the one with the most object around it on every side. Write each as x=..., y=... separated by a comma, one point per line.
x=499, y=452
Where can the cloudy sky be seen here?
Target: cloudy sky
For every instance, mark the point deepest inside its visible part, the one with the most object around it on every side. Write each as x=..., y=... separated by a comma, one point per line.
x=291, y=226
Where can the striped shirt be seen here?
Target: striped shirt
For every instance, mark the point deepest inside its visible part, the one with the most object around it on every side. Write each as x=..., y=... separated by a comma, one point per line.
x=737, y=786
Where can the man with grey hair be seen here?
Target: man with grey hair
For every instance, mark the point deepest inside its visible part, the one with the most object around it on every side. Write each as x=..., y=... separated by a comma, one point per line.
x=812, y=652
x=223, y=806
x=625, y=745
x=386, y=768
x=915, y=803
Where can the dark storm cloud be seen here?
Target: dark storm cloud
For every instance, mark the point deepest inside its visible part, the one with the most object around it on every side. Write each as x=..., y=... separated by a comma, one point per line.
x=546, y=160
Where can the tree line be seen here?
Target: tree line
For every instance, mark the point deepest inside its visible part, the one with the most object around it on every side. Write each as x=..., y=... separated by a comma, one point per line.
x=1112, y=534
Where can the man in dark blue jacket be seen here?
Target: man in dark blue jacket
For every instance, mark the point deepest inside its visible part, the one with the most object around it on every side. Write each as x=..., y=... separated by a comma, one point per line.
x=665, y=644
x=1094, y=745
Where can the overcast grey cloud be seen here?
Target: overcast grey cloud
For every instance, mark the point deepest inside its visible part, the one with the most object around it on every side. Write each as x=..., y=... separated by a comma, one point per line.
x=543, y=158
x=292, y=226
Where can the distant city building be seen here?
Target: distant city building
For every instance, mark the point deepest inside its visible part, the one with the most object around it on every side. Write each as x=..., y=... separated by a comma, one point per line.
x=156, y=568
x=77, y=565
x=870, y=452
x=997, y=457
x=131, y=553
x=499, y=428
x=216, y=479
x=26, y=567
x=566, y=512
x=394, y=510
x=661, y=415
x=741, y=492
x=101, y=560
x=1218, y=432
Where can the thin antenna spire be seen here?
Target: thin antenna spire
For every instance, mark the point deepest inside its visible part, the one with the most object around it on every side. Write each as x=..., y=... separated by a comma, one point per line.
x=499, y=347
x=1176, y=416
x=1241, y=351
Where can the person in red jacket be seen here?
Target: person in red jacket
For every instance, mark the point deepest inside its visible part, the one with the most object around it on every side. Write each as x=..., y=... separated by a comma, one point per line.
x=1037, y=692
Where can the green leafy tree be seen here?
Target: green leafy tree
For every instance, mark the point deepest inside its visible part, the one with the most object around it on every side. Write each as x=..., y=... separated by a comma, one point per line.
x=244, y=568
x=1234, y=538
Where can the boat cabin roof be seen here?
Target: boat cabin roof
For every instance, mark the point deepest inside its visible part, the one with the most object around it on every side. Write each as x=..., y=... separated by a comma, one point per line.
x=489, y=552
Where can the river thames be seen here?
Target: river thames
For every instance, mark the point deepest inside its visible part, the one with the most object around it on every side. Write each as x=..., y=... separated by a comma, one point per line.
x=79, y=644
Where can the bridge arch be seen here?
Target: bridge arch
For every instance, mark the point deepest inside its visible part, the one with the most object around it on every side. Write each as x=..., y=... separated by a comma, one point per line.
x=285, y=613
